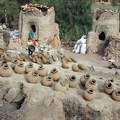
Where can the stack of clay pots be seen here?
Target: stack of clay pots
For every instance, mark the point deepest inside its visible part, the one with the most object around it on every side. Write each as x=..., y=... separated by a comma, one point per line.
x=111, y=89
x=90, y=85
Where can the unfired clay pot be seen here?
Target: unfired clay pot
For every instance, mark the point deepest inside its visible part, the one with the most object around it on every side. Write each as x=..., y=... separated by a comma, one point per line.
x=60, y=86
x=19, y=68
x=42, y=71
x=91, y=84
x=32, y=77
x=3, y=62
x=14, y=63
x=29, y=68
x=1, y=51
x=107, y=81
x=116, y=95
x=109, y=87
x=73, y=59
x=89, y=94
x=64, y=65
x=47, y=81
x=7, y=57
x=56, y=75
x=84, y=79
x=82, y=66
x=73, y=82
x=19, y=57
x=75, y=68
x=5, y=70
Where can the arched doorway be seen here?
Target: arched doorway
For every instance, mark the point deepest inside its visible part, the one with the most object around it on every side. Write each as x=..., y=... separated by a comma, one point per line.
x=102, y=36
x=101, y=47
x=33, y=28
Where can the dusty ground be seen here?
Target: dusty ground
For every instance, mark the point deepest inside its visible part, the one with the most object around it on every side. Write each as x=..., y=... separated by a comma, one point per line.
x=43, y=103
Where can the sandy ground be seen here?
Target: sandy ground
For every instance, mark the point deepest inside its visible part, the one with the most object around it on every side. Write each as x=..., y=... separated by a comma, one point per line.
x=100, y=73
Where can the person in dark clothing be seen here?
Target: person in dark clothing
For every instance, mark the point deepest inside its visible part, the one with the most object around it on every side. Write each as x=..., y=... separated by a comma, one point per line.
x=6, y=37
x=31, y=46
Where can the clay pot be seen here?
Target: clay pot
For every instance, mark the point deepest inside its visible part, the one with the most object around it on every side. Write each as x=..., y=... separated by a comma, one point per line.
x=14, y=63
x=60, y=86
x=73, y=82
x=40, y=54
x=1, y=51
x=82, y=67
x=47, y=81
x=73, y=59
x=69, y=59
x=32, y=77
x=19, y=68
x=5, y=70
x=1, y=57
x=64, y=60
x=56, y=75
x=29, y=68
x=89, y=94
x=44, y=59
x=3, y=62
x=50, y=61
x=39, y=62
x=91, y=84
x=116, y=95
x=7, y=57
x=64, y=65
x=107, y=81
x=19, y=57
x=84, y=79
x=75, y=68
x=42, y=71
x=109, y=87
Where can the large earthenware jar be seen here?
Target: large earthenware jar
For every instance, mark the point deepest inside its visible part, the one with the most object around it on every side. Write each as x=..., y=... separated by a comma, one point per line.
x=109, y=87
x=91, y=84
x=47, y=81
x=32, y=77
x=89, y=94
x=56, y=75
x=84, y=79
x=42, y=71
x=82, y=66
x=1, y=51
x=73, y=82
x=19, y=68
x=29, y=68
x=116, y=95
x=14, y=63
x=60, y=86
x=75, y=68
x=5, y=70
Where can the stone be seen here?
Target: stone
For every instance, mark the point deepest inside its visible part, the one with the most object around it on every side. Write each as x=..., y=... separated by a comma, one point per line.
x=12, y=94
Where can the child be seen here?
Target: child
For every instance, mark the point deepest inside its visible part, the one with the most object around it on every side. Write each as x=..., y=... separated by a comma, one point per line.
x=31, y=46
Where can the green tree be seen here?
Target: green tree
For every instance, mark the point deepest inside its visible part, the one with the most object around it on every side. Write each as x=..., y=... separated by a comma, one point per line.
x=73, y=16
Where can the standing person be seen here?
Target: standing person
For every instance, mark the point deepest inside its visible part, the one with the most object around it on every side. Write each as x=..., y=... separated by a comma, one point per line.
x=31, y=34
x=32, y=45
x=6, y=36
x=55, y=41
